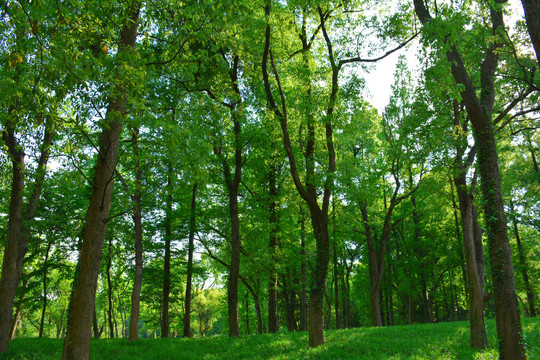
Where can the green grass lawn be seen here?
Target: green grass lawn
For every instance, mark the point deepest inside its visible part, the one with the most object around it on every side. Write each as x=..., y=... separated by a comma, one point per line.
x=436, y=341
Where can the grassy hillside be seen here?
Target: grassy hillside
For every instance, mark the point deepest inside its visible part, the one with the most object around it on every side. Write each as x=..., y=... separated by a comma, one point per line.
x=437, y=341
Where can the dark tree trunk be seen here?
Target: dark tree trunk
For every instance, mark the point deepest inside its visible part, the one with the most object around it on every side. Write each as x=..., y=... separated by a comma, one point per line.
x=303, y=296
x=191, y=248
x=77, y=341
x=511, y=345
x=524, y=269
x=137, y=222
x=17, y=317
x=246, y=300
x=95, y=325
x=532, y=16
x=167, y=261
x=18, y=230
x=232, y=183
x=336, y=275
x=44, y=307
x=308, y=190
x=273, y=325
x=110, y=299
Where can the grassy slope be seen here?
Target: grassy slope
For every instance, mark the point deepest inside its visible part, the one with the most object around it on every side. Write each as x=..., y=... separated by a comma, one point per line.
x=437, y=341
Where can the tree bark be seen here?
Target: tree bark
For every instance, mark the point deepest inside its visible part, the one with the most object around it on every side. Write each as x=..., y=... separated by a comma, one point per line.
x=44, y=278
x=479, y=110
x=273, y=325
x=524, y=268
x=303, y=296
x=167, y=261
x=308, y=191
x=532, y=16
x=77, y=341
x=137, y=222
x=110, y=308
x=18, y=228
x=191, y=247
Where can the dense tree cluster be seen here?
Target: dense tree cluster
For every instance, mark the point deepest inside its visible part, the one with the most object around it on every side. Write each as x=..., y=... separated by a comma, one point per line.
x=215, y=167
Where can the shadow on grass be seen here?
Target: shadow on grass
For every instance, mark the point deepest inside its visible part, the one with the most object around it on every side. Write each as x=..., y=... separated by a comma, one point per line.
x=442, y=341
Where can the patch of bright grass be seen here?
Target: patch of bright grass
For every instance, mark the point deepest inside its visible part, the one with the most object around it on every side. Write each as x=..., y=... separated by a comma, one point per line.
x=442, y=341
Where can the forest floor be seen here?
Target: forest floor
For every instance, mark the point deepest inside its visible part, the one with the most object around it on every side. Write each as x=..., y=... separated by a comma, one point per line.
x=412, y=342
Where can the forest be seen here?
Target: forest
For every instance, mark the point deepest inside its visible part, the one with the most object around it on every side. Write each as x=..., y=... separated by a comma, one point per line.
x=184, y=169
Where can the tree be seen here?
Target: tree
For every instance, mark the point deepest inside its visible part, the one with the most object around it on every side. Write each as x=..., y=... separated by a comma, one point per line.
x=479, y=109
x=77, y=342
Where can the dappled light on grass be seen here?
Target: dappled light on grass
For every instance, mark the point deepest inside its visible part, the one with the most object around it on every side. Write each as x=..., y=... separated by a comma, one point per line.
x=443, y=341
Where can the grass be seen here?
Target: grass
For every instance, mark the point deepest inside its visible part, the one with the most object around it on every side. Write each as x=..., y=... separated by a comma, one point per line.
x=415, y=342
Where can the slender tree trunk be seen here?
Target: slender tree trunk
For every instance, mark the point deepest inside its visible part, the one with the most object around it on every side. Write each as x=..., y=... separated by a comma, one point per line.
x=336, y=278
x=273, y=325
x=303, y=299
x=524, y=270
x=95, y=325
x=191, y=248
x=15, y=320
x=479, y=110
x=18, y=230
x=60, y=326
x=232, y=183
x=246, y=300
x=110, y=308
x=167, y=262
x=77, y=341
x=44, y=280
x=137, y=222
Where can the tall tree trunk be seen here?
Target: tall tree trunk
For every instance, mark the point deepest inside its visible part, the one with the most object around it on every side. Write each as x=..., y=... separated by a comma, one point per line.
x=167, y=261
x=532, y=16
x=273, y=325
x=524, y=268
x=44, y=280
x=246, y=299
x=232, y=183
x=15, y=320
x=191, y=248
x=308, y=190
x=110, y=299
x=95, y=325
x=479, y=110
x=77, y=341
x=303, y=298
x=137, y=222
x=18, y=227
x=335, y=267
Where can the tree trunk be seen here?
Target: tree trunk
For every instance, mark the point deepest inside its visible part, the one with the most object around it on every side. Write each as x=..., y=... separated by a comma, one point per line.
x=110, y=300
x=232, y=183
x=336, y=281
x=191, y=247
x=524, y=270
x=167, y=261
x=137, y=222
x=246, y=300
x=44, y=307
x=303, y=299
x=273, y=325
x=479, y=110
x=95, y=325
x=15, y=320
x=532, y=16
x=77, y=341
x=18, y=230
